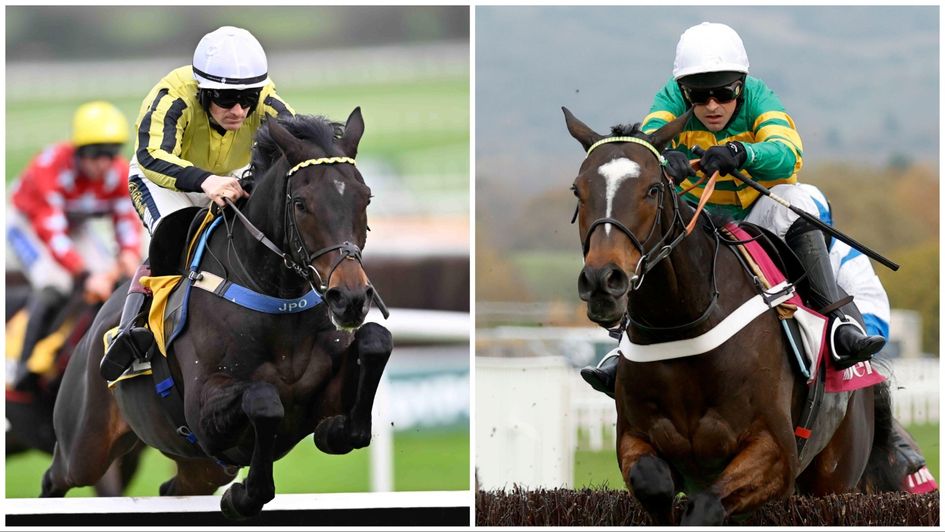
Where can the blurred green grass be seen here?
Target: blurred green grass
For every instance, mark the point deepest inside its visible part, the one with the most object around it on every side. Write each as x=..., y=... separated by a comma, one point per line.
x=428, y=459
x=419, y=128
x=599, y=470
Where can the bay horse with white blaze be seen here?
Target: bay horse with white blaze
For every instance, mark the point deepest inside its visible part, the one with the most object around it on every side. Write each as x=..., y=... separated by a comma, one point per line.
x=252, y=383
x=720, y=425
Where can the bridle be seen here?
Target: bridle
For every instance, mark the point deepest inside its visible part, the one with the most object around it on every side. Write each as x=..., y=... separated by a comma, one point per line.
x=663, y=246
x=299, y=259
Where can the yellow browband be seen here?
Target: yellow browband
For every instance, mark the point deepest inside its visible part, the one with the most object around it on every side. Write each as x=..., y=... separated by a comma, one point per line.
x=634, y=140
x=323, y=160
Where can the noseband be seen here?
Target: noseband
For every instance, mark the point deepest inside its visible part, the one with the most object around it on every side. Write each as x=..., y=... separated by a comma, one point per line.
x=663, y=247
x=300, y=259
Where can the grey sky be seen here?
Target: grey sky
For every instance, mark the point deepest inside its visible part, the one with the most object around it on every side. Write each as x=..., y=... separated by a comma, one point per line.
x=861, y=82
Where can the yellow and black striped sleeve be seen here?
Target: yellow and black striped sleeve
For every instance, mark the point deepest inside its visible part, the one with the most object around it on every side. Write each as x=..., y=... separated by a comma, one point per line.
x=160, y=135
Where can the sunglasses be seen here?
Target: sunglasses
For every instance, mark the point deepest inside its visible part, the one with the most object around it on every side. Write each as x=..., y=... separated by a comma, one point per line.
x=228, y=98
x=94, y=151
x=723, y=94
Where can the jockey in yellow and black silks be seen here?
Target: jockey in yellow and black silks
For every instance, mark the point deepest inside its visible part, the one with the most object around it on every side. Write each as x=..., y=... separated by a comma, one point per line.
x=193, y=139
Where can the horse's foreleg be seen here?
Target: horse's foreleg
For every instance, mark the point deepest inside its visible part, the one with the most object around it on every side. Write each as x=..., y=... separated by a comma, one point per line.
x=760, y=472
x=262, y=406
x=339, y=434
x=647, y=476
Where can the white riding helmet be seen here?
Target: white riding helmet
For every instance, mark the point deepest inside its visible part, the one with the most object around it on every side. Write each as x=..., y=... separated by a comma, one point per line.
x=709, y=47
x=230, y=58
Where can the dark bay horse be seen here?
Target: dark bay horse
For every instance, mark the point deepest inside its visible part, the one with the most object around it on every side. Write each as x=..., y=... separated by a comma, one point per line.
x=720, y=425
x=253, y=383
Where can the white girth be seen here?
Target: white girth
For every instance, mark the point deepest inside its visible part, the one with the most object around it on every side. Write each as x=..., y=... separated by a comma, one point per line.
x=710, y=339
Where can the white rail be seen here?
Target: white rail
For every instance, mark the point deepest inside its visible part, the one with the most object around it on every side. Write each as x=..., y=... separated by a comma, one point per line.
x=292, y=501
x=441, y=508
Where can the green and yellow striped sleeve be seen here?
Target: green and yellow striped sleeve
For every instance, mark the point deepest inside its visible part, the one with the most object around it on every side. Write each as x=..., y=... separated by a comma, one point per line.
x=776, y=152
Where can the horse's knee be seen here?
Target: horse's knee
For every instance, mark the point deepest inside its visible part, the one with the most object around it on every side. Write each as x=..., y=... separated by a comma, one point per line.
x=374, y=341
x=703, y=509
x=261, y=402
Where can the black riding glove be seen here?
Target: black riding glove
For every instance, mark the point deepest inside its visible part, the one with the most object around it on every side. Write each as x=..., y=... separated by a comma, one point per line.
x=726, y=159
x=677, y=165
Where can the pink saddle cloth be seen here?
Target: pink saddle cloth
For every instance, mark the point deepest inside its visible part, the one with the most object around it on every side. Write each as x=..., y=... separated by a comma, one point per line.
x=921, y=481
x=861, y=375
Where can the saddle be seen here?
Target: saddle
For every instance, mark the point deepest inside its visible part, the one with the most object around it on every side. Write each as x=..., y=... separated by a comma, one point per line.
x=166, y=258
x=166, y=249
x=767, y=256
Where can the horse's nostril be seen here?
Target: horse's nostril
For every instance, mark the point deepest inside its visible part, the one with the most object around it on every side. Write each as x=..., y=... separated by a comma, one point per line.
x=584, y=285
x=616, y=282
x=335, y=298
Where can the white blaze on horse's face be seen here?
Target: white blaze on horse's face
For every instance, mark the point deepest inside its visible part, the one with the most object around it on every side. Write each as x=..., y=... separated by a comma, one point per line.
x=340, y=185
x=615, y=172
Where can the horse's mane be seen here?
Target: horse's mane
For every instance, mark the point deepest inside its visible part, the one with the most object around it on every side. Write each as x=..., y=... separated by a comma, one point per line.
x=317, y=130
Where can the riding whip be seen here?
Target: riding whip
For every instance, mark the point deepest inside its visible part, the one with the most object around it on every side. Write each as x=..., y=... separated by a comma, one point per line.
x=809, y=217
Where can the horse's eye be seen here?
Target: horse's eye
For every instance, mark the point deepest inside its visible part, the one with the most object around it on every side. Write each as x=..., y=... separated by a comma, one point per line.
x=653, y=191
x=299, y=205
x=574, y=191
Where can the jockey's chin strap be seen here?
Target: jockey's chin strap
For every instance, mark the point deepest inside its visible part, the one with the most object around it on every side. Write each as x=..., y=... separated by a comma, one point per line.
x=303, y=262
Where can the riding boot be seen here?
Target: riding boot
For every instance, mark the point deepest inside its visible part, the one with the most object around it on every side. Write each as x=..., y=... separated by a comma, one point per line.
x=133, y=340
x=41, y=309
x=603, y=377
x=851, y=344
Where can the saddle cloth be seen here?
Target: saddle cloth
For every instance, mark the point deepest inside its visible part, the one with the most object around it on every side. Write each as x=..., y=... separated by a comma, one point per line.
x=813, y=325
x=43, y=358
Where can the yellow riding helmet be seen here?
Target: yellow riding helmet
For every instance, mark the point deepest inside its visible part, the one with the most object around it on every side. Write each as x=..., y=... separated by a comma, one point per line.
x=99, y=123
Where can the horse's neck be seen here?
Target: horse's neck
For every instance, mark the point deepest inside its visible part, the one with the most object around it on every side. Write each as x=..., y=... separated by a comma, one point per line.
x=680, y=288
x=260, y=268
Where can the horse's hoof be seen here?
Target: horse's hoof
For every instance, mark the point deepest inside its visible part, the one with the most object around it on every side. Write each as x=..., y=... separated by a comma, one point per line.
x=166, y=488
x=228, y=502
x=374, y=339
x=652, y=484
x=331, y=436
x=703, y=509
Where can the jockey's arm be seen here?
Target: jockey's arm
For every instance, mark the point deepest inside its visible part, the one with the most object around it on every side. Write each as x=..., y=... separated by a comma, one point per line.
x=160, y=138
x=40, y=201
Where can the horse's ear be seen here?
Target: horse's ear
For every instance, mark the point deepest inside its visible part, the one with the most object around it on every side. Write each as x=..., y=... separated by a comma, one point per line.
x=285, y=140
x=579, y=130
x=665, y=134
x=354, y=128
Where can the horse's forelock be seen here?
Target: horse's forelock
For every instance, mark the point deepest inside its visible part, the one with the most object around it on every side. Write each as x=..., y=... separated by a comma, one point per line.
x=627, y=130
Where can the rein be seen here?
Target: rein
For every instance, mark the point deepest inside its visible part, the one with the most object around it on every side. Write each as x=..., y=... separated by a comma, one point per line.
x=302, y=261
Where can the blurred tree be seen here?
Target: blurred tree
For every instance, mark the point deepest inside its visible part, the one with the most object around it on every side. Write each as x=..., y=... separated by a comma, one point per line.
x=916, y=286
x=543, y=223
x=497, y=279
